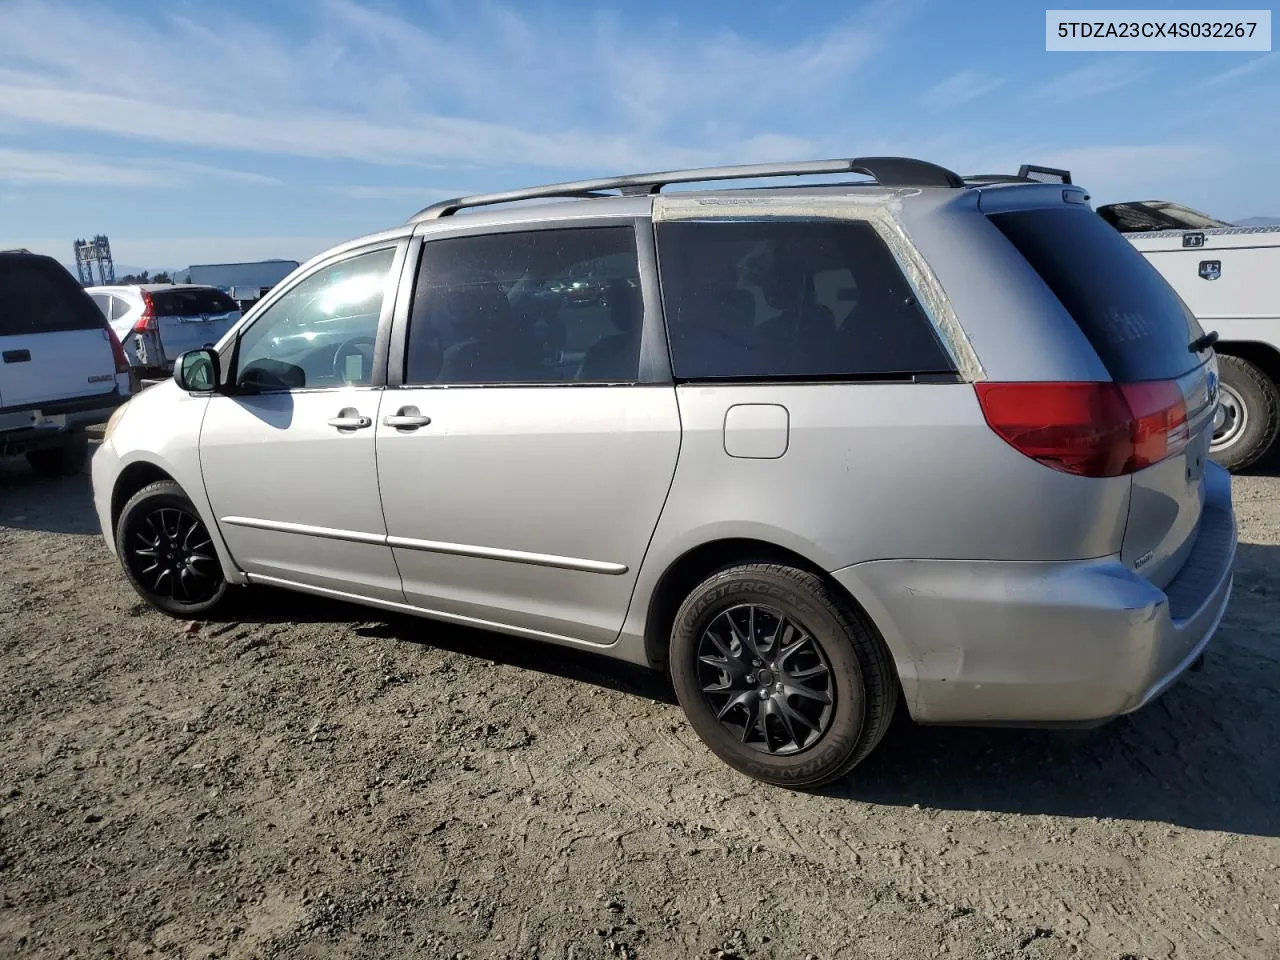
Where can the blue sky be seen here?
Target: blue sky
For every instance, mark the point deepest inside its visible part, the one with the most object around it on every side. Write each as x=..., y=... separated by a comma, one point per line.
x=193, y=131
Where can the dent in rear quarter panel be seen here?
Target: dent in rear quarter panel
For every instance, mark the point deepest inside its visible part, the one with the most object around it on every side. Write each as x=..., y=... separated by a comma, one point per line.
x=162, y=427
x=874, y=472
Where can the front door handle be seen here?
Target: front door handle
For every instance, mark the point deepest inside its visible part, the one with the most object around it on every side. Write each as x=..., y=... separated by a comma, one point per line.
x=17, y=356
x=349, y=418
x=406, y=418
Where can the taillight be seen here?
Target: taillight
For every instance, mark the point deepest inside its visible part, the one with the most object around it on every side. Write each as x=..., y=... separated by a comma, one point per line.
x=147, y=322
x=1088, y=429
x=117, y=350
x=1160, y=428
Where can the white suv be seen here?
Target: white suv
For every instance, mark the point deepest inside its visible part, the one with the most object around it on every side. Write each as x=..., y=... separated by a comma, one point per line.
x=61, y=367
x=158, y=321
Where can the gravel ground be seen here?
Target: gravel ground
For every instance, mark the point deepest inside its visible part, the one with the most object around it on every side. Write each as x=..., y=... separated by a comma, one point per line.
x=314, y=780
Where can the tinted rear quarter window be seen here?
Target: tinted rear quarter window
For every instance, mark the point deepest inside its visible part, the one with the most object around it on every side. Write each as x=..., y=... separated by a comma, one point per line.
x=1139, y=327
x=38, y=295
x=191, y=303
x=790, y=299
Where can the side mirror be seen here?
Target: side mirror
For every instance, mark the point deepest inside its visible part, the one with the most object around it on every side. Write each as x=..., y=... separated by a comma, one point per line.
x=196, y=371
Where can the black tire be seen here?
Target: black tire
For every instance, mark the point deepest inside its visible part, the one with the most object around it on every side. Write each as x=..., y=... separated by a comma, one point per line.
x=834, y=737
x=65, y=460
x=1250, y=414
x=167, y=553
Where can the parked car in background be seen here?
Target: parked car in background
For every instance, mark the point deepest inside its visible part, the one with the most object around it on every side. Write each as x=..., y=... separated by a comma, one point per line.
x=811, y=449
x=1227, y=275
x=61, y=366
x=157, y=322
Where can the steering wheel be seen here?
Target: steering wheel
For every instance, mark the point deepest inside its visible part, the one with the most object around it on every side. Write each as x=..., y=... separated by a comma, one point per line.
x=363, y=346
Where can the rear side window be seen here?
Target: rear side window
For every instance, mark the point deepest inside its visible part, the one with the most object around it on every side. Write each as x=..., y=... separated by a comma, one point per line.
x=38, y=295
x=1139, y=327
x=191, y=303
x=770, y=299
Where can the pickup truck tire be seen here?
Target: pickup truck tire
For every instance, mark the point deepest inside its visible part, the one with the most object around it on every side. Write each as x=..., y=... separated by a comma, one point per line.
x=167, y=552
x=65, y=460
x=1250, y=416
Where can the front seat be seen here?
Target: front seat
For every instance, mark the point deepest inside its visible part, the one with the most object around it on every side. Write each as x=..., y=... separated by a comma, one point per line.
x=617, y=357
x=497, y=352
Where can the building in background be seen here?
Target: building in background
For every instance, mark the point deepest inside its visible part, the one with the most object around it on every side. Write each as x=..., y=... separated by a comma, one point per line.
x=245, y=282
x=224, y=276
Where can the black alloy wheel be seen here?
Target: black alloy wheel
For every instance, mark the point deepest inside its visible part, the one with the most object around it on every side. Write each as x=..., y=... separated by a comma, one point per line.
x=167, y=551
x=781, y=675
x=766, y=678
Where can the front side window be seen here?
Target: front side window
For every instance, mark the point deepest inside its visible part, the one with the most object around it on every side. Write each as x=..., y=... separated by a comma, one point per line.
x=545, y=306
x=321, y=333
x=788, y=299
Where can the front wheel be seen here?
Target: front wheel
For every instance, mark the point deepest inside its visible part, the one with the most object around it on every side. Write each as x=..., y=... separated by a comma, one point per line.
x=779, y=677
x=1248, y=415
x=167, y=552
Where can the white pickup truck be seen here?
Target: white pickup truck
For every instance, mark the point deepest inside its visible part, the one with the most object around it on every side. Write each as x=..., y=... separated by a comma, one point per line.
x=1229, y=277
x=62, y=369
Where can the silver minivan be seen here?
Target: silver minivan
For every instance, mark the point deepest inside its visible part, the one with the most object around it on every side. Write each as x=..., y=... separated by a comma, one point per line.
x=815, y=450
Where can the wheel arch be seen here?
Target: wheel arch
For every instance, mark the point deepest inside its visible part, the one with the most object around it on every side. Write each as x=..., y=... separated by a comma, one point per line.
x=1264, y=356
x=701, y=561
x=132, y=478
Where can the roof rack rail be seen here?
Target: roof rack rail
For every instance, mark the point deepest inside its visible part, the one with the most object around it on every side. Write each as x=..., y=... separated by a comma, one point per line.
x=886, y=171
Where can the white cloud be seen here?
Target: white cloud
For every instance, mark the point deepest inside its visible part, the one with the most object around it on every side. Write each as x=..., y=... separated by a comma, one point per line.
x=399, y=192
x=1101, y=76
x=484, y=86
x=960, y=88
x=1242, y=70
x=48, y=167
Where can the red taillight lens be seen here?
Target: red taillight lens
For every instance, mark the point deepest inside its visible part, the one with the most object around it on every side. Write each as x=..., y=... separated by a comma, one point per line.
x=117, y=350
x=147, y=322
x=1088, y=429
x=1160, y=427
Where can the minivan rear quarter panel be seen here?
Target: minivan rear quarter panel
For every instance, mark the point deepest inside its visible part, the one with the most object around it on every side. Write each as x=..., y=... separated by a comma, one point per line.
x=920, y=472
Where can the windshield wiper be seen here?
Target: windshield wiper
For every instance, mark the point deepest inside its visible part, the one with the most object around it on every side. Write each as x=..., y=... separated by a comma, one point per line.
x=1205, y=342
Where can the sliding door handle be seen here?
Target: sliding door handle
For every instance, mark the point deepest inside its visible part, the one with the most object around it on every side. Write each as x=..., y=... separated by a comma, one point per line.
x=406, y=418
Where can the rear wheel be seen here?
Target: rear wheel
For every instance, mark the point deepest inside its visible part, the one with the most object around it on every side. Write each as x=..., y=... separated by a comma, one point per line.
x=778, y=677
x=167, y=552
x=1248, y=414
x=65, y=460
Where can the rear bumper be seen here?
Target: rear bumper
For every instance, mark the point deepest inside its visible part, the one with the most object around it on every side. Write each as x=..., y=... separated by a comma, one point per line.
x=49, y=424
x=1047, y=643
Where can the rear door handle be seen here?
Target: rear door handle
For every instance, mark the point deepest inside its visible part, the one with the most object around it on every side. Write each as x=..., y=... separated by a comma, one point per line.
x=350, y=419
x=17, y=356
x=406, y=418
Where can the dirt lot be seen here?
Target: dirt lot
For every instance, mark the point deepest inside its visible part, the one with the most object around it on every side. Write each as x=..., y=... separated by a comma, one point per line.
x=315, y=781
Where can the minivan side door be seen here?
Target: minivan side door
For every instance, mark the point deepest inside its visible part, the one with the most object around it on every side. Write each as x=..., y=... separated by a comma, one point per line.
x=287, y=451
x=529, y=432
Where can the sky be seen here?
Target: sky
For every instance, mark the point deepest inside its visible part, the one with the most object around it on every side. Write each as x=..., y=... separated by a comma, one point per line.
x=194, y=132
